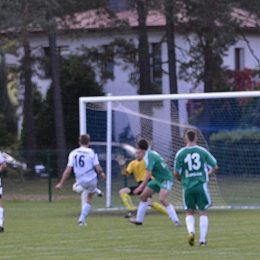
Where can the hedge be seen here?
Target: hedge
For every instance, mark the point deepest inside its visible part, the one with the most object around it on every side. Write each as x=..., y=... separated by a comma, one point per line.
x=237, y=152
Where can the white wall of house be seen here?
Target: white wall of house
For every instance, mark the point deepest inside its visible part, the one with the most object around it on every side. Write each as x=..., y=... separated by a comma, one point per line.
x=121, y=86
x=251, y=49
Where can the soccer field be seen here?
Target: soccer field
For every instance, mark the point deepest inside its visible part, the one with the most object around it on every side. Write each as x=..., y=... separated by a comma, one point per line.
x=42, y=230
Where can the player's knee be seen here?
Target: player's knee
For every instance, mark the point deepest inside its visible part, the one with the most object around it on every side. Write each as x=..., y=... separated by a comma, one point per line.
x=124, y=190
x=150, y=202
x=164, y=201
x=143, y=197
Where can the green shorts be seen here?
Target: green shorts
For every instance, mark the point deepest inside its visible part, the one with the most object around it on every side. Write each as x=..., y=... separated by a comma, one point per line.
x=197, y=196
x=157, y=185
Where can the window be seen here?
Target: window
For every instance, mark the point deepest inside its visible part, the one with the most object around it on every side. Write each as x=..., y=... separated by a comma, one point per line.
x=157, y=68
x=109, y=60
x=118, y=5
x=239, y=58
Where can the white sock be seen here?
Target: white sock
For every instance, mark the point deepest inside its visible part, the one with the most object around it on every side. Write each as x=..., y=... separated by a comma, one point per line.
x=98, y=191
x=204, y=223
x=172, y=213
x=1, y=217
x=141, y=211
x=190, y=223
x=84, y=195
x=84, y=212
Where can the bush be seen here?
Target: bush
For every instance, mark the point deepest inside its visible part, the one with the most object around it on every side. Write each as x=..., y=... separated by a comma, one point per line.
x=237, y=152
x=16, y=174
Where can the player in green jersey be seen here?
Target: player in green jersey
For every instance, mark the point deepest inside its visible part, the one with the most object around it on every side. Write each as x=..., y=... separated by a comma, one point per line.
x=161, y=183
x=193, y=165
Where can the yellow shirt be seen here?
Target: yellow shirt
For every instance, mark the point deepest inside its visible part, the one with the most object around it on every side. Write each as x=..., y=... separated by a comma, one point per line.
x=137, y=168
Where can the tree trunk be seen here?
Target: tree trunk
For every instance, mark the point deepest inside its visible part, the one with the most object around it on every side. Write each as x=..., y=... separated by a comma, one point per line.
x=58, y=108
x=144, y=58
x=145, y=72
x=208, y=87
x=28, y=105
x=170, y=32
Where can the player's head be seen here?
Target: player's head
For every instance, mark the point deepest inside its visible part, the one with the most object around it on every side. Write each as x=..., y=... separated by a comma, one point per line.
x=143, y=144
x=84, y=139
x=138, y=154
x=191, y=136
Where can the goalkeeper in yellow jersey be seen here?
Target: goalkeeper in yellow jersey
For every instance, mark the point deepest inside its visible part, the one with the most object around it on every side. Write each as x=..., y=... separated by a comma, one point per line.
x=137, y=168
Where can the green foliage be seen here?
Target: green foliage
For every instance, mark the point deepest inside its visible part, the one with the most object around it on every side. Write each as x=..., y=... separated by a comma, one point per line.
x=126, y=136
x=223, y=114
x=213, y=31
x=8, y=118
x=237, y=152
x=251, y=113
x=6, y=138
x=77, y=79
x=6, y=106
x=15, y=174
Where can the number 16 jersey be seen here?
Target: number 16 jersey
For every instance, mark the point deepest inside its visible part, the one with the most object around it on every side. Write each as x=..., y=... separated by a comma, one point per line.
x=192, y=163
x=83, y=160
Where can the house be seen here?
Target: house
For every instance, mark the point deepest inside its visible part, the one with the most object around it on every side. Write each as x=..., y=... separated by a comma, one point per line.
x=242, y=55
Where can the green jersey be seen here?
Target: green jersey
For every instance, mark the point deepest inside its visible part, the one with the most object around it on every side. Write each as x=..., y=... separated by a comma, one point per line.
x=192, y=163
x=155, y=163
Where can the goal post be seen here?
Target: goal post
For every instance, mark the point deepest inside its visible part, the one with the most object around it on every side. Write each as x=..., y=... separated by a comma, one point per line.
x=202, y=111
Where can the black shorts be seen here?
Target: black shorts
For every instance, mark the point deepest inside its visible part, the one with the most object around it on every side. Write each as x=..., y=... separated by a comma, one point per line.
x=132, y=188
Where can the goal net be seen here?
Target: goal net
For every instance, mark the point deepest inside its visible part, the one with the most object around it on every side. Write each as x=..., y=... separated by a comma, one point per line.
x=227, y=123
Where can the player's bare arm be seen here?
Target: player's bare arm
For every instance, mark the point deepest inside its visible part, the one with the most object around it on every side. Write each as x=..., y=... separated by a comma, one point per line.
x=177, y=176
x=145, y=181
x=125, y=172
x=64, y=177
x=213, y=171
x=3, y=166
x=99, y=169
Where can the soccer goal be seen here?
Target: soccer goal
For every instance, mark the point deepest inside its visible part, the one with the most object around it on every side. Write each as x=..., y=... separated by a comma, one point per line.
x=227, y=122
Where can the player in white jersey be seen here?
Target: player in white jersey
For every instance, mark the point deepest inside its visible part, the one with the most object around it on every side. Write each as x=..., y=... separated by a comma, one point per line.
x=85, y=164
x=2, y=167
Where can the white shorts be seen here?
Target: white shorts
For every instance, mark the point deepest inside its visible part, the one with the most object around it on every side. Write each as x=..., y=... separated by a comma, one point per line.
x=89, y=186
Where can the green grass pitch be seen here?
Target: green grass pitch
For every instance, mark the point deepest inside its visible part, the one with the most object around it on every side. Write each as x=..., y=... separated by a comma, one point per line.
x=40, y=230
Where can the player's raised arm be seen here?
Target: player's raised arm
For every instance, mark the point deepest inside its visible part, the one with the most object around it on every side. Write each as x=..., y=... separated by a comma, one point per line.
x=64, y=177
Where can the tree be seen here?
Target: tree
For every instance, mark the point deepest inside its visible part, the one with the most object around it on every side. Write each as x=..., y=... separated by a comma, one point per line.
x=170, y=17
x=144, y=69
x=210, y=30
x=7, y=108
x=77, y=79
x=230, y=114
x=24, y=16
x=251, y=11
x=58, y=109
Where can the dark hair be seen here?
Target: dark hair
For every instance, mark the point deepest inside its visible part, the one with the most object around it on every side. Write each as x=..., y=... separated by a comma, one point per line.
x=143, y=144
x=84, y=139
x=191, y=134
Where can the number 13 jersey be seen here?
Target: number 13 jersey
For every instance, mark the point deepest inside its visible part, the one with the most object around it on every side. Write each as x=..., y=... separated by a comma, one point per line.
x=192, y=163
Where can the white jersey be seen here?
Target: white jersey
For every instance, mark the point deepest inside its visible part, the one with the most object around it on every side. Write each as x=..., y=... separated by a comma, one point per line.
x=2, y=159
x=83, y=160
